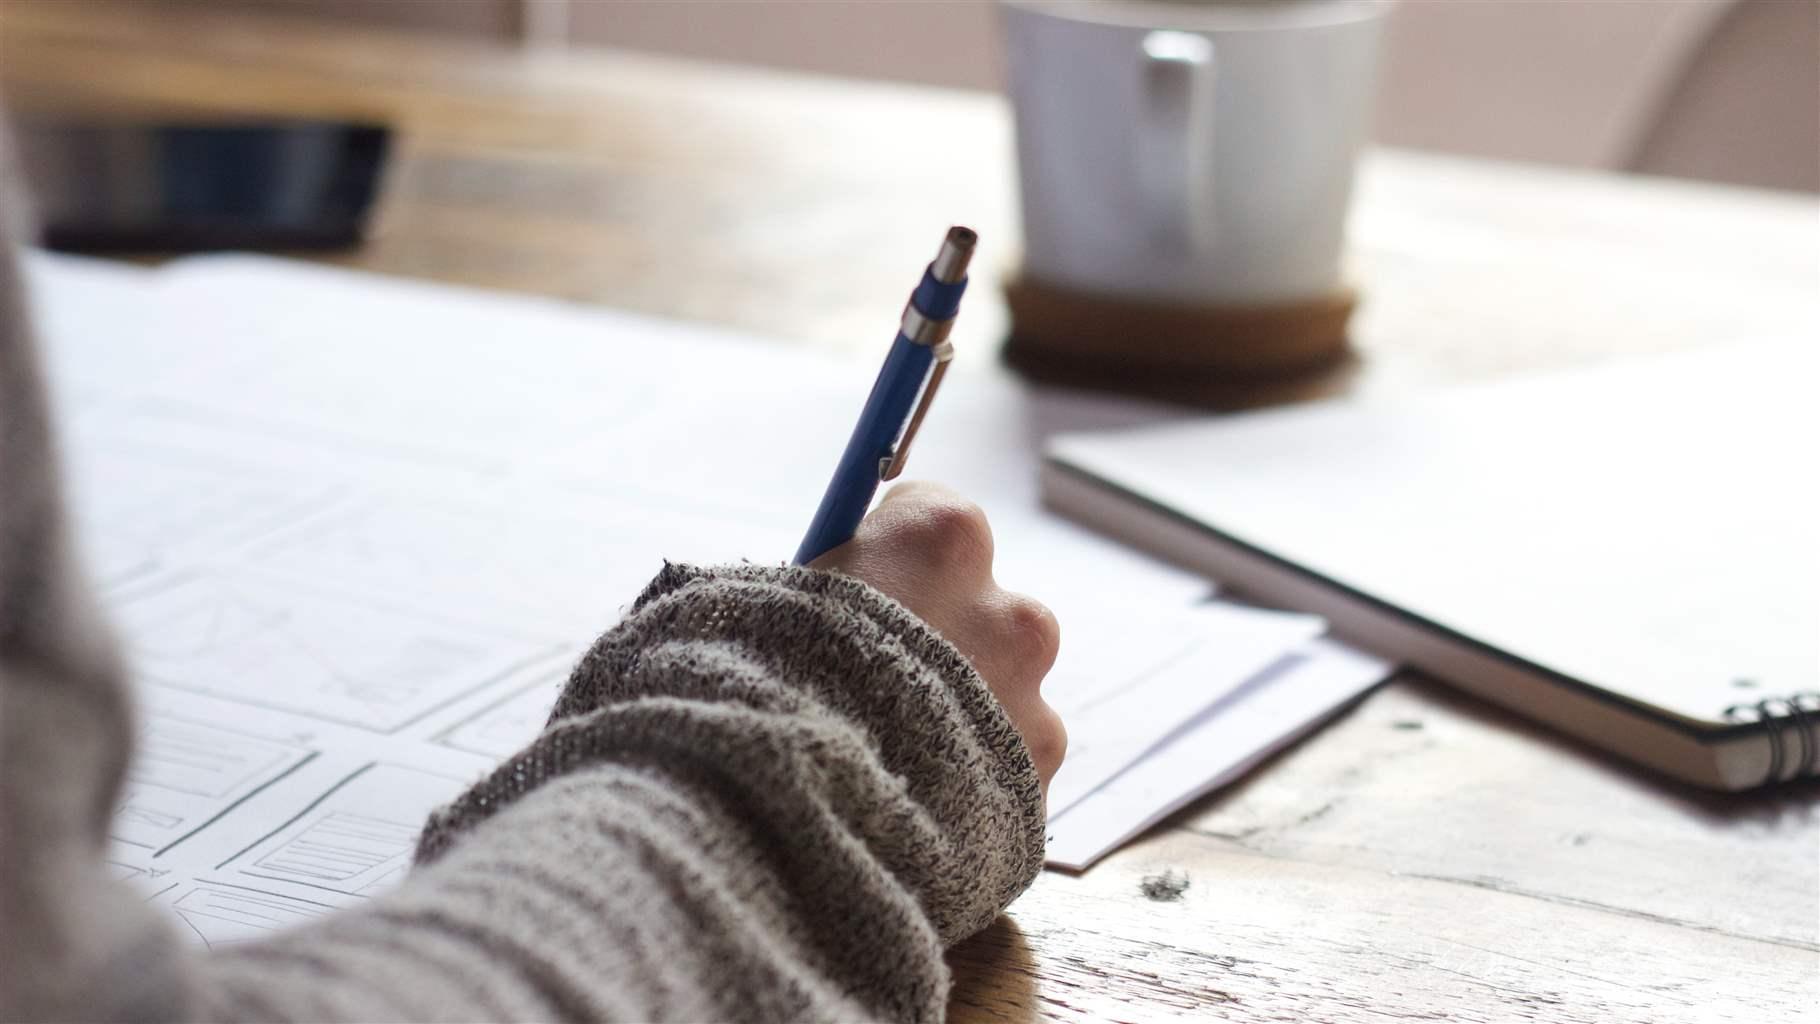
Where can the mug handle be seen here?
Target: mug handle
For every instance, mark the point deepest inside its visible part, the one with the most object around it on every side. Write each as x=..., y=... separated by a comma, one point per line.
x=1174, y=145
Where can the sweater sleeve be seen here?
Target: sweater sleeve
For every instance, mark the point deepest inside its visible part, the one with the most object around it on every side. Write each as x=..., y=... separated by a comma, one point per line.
x=768, y=794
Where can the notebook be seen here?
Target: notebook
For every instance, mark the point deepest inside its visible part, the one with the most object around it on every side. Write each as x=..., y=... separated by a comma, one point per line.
x=1628, y=553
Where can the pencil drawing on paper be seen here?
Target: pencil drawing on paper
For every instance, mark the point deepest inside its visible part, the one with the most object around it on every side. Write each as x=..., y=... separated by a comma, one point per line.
x=141, y=506
x=220, y=915
x=341, y=849
x=504, y=728
x=185, y=773
x=287, y=649
x=355, y=839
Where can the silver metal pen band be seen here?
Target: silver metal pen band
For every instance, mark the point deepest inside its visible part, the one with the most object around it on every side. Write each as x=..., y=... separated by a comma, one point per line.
x=921, y=329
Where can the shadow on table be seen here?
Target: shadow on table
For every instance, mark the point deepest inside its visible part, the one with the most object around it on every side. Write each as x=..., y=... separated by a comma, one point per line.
x=1793, y=801
x=1791, y=805
x=994, y=976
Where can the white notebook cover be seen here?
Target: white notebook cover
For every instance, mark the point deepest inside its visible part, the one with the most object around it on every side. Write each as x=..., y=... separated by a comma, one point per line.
x=1642, y=531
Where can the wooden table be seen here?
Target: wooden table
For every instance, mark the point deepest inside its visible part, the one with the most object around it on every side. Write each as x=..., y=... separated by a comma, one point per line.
x=1426, y=856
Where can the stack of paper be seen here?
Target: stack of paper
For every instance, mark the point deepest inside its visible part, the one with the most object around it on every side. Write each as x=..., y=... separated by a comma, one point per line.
x=355, y=530
x=1244, y=724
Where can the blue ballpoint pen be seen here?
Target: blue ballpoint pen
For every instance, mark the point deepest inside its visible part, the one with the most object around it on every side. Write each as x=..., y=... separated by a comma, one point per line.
x=881, y=440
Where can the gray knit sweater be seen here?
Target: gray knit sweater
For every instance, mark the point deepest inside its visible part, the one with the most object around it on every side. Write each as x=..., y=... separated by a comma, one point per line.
x=767, y=794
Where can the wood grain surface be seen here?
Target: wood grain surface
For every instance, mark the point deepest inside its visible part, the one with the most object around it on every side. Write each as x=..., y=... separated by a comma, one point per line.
x=1424, y=857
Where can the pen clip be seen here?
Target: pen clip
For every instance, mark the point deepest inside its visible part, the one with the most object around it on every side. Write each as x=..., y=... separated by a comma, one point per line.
x=891, y=465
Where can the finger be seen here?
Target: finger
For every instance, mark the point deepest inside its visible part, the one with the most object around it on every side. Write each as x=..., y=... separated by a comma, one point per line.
x=1048, y=743
x=1032, y=636
x=918, y=490
x=945, y=538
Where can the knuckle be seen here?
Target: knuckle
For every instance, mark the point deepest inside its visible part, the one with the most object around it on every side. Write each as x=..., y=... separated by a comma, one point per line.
x=1035, y=634
x=954, y=534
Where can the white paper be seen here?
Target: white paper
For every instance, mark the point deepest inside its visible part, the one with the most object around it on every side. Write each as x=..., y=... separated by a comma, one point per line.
x=1137, y=675
x=354, y=531
x=1223, y=742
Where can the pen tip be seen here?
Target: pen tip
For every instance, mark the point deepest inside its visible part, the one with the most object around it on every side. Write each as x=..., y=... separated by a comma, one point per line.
x=957, y=249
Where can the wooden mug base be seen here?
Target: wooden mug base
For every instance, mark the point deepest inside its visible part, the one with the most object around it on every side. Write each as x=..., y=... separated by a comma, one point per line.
x=1218, y=355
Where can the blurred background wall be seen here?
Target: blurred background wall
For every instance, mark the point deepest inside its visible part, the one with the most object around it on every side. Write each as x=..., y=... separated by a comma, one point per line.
x=1727, y=90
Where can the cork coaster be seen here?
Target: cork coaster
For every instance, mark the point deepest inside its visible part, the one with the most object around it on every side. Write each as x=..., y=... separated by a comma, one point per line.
x=1208, y=355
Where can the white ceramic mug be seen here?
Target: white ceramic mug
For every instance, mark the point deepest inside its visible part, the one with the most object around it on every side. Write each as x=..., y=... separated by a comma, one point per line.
x=1193, y=152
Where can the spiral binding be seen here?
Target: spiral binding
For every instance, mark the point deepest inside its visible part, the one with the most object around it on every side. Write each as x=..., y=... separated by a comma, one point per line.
x=1796, y=709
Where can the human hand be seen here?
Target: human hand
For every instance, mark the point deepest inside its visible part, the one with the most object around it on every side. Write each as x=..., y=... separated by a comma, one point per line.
x=931, y=551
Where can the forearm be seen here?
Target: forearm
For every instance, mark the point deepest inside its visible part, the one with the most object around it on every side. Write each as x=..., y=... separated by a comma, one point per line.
x=770, y=794
x=615, y=892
